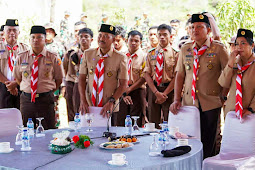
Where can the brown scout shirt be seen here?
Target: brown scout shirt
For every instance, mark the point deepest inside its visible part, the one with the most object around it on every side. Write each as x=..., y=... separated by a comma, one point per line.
x=115, y=68
x=5, y=53
x=211, y=64
x=49, y=69
x=71, y=69
x=170, y=60
x=137, y=67
x=228, y=80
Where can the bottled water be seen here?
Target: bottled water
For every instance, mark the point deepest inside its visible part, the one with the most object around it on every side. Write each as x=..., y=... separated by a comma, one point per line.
x=128, y=125
x=30, y=126
x=25, y=140
x=162, y=140
x=77, y=121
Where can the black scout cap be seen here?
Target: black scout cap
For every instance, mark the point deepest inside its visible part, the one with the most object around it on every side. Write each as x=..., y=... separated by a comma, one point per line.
x=12, y=22
x=199, y=18
x=2, y=28
x=37, y=29
x=244, y=33
x=107, y=28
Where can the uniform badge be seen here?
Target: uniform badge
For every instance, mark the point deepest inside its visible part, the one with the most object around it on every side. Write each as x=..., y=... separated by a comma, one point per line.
x=169, y=68
x=111, y=28
x=201, y=16
x=109, y=74
x=77, y=73
x=2, y=51
x=25, y=74
x=59, y=61
x=243, y=32
x=46, y=74
x=81, y=61
x=239, y=71
x=189, y=49
x=161, y=50
x=23, y=66
x=188, y=67
x=16, y=22
x=73, y=63
x=189, y=56
x=91, y=71
x=153, y=52
x=153, y=57
x=210, y=66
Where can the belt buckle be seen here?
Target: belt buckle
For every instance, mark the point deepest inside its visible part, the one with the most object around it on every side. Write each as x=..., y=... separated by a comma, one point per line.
x=37, y=95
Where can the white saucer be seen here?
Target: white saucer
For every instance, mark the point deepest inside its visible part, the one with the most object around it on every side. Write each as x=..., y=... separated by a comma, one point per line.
x=9, y=151
x=149, y=131
x=111, y=163
x=183, y=145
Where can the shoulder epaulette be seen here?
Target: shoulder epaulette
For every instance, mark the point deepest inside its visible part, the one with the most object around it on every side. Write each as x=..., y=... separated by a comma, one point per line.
x=150, y=50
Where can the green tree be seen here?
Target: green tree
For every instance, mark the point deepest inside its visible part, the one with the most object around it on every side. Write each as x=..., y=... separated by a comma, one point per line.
x=234, y=14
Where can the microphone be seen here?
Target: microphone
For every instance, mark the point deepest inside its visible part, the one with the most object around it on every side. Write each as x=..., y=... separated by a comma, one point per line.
x=108, y=133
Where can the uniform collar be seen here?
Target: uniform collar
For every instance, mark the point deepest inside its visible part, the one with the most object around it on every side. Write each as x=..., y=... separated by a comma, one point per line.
x=207, y=43
x=13, y=45
x=43, y=52
x=139, y=52
x=110, y=52
x=168, y=47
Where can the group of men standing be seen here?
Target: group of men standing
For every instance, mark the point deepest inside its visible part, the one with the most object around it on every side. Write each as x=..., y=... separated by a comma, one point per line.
x=101, y=76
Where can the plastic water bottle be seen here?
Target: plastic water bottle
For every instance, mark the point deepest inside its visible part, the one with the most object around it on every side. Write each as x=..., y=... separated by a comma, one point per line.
x=162, y=140
x=77, y=121
x=128, y=125
x=30, y=126
x=25, y=140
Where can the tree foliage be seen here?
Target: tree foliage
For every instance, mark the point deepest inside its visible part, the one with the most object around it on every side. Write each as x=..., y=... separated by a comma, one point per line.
x=234, y=14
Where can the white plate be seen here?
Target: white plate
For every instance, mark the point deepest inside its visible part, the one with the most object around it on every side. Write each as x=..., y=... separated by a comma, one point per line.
x=111, y=163
x=183, y=145
x=102, y=146
x=150, y=131
x=9, y=151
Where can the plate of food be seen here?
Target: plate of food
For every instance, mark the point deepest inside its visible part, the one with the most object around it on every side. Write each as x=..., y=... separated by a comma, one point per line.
x=116, y=145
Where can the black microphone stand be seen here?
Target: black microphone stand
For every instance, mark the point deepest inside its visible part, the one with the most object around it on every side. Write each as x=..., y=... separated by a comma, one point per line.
x=108, y=133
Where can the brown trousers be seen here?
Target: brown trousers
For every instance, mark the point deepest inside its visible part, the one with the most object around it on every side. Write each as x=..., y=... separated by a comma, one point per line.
x=154, y=109
x=209, y=122
x=76, y=98
x=43, y=107
x=7, y=100
x=137, y=109
x=69, y=100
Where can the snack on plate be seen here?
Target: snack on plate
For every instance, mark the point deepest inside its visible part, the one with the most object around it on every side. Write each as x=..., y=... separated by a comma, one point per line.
x=117, y=145
x=128, y=138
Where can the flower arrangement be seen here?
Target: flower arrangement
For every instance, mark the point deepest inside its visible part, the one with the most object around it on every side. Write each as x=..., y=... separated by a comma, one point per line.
x=82, y=141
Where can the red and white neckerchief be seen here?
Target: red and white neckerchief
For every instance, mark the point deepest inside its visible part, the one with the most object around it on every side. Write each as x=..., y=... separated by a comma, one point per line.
x=159, y=66
x=98, y=83
x=197, y=54
x=239, y=94
x=11, y=61
x=130, y=58
x=34, y=77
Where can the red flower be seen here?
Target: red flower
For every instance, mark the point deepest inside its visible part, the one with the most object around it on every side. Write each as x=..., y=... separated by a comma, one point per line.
x=86, y=144
x=76, y=139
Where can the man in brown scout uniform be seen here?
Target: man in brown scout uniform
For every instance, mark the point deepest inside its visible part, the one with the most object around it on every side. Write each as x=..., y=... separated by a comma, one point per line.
x=69, y=79
x=71, y=67
x=39, y=73
x=159, y=74
x=8, y=52
x=134, y=103
x=153, y=39
x=106, y=70
x=198, y=69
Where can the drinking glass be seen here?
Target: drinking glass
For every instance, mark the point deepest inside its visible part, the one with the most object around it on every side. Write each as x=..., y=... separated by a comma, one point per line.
x=135, y=126
x=19, y=135
x=89, y=118
x=154, y=149
x=40, y=129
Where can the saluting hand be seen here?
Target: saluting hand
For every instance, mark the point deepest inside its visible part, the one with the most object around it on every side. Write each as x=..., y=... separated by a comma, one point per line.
x=128, y=100
x=175, y=106
x=161, y=97
x=233, y=57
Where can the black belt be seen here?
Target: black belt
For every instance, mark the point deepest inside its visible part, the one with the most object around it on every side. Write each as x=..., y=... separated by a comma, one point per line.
x=161, y=84
x=37, y=94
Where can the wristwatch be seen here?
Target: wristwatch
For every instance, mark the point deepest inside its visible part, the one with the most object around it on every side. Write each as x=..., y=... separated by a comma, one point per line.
x=112, y=100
